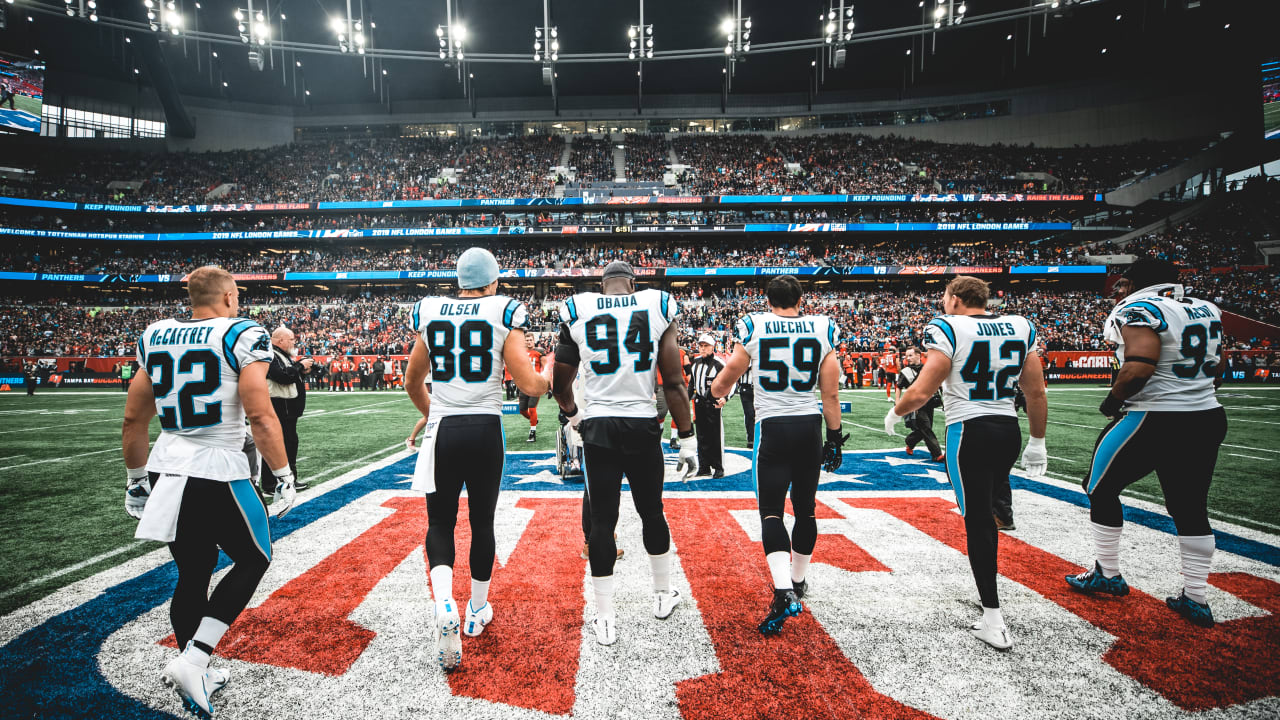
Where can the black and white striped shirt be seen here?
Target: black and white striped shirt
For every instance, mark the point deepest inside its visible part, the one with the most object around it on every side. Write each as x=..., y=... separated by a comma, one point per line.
x=704, y=370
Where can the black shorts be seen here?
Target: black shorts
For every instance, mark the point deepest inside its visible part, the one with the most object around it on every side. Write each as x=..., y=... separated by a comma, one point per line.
x=788, y=456
x=528, y=402
x=1180, y=446
x=980, y=452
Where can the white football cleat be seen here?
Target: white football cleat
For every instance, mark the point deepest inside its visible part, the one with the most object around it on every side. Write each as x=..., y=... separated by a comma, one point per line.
x=218, y=678
x=449, y=637
x=606, y=633
x=477, y=619
x=191, y=683
x=664, y=603
x=997, y=637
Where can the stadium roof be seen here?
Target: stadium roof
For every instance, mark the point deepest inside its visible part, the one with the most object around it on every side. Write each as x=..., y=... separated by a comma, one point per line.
x=972, y=55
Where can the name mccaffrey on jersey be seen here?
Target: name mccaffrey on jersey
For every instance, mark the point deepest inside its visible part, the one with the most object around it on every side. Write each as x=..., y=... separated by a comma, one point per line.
x=180, y=335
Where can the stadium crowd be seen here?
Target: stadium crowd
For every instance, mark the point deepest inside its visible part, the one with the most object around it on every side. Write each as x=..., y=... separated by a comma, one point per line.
x=415, y=168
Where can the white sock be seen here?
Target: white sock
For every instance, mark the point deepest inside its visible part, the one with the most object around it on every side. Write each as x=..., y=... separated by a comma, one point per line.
x=441, y=586
x=604, y=596
x=799, y=566
x=992, y=618
x=1197, y=552
x=1106, y=548
x=209, y=634
x=661, y=566
x=780, y=569
x=479, y=593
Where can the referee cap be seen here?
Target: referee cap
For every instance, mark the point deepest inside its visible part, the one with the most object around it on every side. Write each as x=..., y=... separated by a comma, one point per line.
x=706, y=338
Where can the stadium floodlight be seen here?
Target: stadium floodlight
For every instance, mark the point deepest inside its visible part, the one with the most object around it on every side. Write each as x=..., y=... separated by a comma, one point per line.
x=640, y=46
x=548, y=52
x=838, y=24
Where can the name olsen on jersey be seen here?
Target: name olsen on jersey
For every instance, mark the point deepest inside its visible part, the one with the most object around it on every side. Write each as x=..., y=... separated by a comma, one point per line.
x=468, y=309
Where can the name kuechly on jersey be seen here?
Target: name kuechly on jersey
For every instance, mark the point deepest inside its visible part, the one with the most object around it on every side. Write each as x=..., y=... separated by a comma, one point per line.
x=194, y=366
x=618, y=338
x=464, y=338
x=786, y=353
x=1190, y=331
x=987, y=353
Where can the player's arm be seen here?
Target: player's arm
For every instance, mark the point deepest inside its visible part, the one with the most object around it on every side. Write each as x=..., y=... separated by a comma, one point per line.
x=256, y=400
x=516, y=356
x=1032, y=383
x=563, y=372
x=829, y=389
x=139, y=408
x=727, y=379
x=1141, y=354
x=935, y=370
x=673, y=386
x=415, y=377
x=413, y=434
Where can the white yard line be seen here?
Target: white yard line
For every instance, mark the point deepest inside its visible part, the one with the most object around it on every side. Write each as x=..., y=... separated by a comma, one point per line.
x=373, y=454
x=339, y=411
x=865, y=427
x=70, y=569
x=1055, y=457
x=1260, y=422
x=56, y=427
x=1251, y=457
x=41, y=462
x=1246, y=447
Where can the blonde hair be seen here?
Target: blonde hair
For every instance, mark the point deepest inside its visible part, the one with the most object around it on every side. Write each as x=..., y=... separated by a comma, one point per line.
x=205, y=285
x=970, y=291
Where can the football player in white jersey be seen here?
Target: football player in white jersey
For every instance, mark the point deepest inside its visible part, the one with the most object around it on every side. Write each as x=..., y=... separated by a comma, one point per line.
x=1165, y=416
x=203, y=376
x=465, y=341
x=618, y=339
x=789, y=355
x=977, y=358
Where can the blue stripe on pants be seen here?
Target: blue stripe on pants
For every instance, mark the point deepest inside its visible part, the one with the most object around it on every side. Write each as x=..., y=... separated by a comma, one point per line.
x=1111, y=445
x=955, y=433
x=254, y=514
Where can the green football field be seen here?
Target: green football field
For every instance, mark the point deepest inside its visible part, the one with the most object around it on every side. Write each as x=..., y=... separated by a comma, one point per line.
x=27, y=104
x=62, y=478
x=1270, y=118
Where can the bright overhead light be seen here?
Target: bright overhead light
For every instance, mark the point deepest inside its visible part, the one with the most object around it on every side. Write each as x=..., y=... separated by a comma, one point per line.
x=460, y=32
x=908, y=52
x=282, y=17
x=439, y=31
x=939, y=11
x=338, y=24
x=297, y=63
x=728, y=49
x=308, y=92
x=240, y=16
x=831, y=27
x=631, y=32
x=726, y=26
x=555, y=44
x=555, y=32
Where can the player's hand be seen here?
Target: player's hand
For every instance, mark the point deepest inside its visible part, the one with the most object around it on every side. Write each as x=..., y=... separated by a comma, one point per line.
x=408, y=443
x=1112, y=407
x=285, y=494
x=687, y=465
x=832, y=454
x=1035, y=459
x=137, y=490
x=720, y=402
x=891, y=420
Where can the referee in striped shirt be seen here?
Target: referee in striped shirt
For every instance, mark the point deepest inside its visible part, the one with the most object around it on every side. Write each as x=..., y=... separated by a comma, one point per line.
x=706, y=421
x=747, y=392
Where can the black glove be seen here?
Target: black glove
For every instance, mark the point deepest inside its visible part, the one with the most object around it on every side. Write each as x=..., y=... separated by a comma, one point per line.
x=909, y=420
x=832, y=456
x=1112, y=407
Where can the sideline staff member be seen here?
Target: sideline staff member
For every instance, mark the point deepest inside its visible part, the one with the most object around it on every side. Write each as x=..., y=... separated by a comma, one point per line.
x=286, y=381
x=707, y=409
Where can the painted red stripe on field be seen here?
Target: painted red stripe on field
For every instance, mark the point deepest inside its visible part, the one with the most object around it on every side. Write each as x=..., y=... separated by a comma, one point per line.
x=304, y=624
x=800, y=674
x=1194, y=668
x=528, y=656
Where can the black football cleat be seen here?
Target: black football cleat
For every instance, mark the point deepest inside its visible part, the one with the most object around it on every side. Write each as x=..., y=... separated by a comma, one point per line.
x=785, y=604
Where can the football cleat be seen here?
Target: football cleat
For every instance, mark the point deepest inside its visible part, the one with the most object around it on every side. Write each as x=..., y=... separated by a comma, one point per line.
x=910, y=450
x=1093, y=581
x=477, y=619
x=1002, y=525
x=448, y=637
x=942, y=457
x=191, y=682
x=800, y=588
x=785, y=604
x=1197, y=613
x=606, y=632
x=664, y=603
x=218, y=678
x=533, y=434
x=996, y=637
x=717, y=474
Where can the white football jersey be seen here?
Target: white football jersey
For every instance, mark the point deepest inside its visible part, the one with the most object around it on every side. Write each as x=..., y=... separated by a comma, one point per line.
x=464, y=338
x=194, y=366
x=1190, y=333
x=987, y=353
x=786, y=353
x=617, y=337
